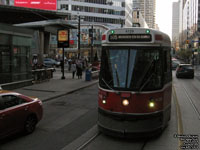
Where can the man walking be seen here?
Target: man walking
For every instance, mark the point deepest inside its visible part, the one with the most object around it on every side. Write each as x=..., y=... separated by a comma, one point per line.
x=73, y=68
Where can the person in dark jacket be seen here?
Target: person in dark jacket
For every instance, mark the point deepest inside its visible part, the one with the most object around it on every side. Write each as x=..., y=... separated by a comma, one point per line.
x=79, y=70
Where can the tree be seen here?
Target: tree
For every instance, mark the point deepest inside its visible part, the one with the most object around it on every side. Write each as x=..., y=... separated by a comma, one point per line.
x=185, y=54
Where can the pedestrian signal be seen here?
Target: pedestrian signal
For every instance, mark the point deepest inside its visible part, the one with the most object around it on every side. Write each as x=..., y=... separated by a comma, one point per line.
x=187, y=41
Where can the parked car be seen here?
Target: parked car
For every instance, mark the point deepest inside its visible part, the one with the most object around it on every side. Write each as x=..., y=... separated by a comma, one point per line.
x=185, y=71
x=175, y=63
x=18, y=113
x=48, y=62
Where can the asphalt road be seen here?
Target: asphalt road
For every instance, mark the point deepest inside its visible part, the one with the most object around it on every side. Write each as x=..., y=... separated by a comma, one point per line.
x=69, y=123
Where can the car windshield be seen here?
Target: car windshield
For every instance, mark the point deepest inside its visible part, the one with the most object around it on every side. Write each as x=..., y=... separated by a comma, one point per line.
x=131, y=68
x=188, y=67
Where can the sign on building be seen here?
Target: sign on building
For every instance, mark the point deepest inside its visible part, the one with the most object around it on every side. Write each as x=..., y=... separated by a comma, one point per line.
x=38, y=4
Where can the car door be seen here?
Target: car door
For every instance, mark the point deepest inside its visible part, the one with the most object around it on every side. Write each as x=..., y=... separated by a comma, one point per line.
x=14, y=113
x=3, y=127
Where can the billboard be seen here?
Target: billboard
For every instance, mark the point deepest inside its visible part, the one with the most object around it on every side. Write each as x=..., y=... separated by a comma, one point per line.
x=38, y=4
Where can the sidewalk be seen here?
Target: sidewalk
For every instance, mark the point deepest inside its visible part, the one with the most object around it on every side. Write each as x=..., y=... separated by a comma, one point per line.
x=56, y=87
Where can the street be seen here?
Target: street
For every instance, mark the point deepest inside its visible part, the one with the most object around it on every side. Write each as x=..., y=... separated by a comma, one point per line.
x=69, y=123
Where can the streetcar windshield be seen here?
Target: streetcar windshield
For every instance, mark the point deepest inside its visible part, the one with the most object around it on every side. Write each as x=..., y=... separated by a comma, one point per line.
x=131, y=69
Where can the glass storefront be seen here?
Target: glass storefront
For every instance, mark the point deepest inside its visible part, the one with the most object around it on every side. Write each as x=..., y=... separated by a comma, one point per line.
x=15, y=59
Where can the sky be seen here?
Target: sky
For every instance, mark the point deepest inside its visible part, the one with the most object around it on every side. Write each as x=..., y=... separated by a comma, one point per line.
x=164, y=15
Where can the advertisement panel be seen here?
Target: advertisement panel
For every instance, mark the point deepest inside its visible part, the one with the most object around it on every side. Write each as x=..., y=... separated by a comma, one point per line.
x=38, y=4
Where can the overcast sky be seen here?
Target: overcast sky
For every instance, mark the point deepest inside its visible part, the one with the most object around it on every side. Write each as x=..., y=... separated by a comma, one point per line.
x=164, y=15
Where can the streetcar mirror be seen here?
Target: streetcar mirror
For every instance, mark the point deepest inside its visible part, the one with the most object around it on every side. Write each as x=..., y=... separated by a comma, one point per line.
x=103, y=37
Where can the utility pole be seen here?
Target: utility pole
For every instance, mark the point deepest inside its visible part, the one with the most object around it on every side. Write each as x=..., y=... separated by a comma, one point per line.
x=79, y=36
x=121, y=22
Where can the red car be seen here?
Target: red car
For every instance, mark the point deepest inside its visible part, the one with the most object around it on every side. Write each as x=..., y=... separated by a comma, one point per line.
x=18, y=113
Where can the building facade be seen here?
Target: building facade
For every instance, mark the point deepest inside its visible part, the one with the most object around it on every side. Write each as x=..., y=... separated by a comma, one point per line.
x=175, y=25
x=189, y=27
x=15, y=54
x=147, y=9
x=102, y=11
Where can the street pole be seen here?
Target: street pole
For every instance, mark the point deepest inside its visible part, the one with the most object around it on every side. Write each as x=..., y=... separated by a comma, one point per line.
x=79, y=37
x=92, y=41
x=63, y=64
x=121, y=21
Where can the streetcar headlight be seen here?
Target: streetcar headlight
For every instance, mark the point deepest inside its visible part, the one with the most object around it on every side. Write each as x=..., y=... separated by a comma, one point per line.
x=104, y=101
x=125, y=102
x=151, y=104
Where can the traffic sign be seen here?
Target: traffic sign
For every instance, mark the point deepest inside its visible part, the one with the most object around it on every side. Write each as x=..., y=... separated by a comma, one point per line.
x=195, y=41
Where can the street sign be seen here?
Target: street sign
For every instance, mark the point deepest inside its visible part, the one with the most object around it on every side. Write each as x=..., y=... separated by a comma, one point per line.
x=195, y=41
x=63, y=38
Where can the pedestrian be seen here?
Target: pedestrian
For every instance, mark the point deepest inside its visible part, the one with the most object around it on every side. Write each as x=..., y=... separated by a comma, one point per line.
x=79, y=70
x=73, y=68
x=69, y=64
x=35, y=62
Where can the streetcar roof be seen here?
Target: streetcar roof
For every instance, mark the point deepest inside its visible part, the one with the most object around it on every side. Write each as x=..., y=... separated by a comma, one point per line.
x=135, y=36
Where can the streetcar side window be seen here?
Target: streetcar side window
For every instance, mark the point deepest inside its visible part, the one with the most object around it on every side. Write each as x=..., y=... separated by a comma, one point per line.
x=167, y=66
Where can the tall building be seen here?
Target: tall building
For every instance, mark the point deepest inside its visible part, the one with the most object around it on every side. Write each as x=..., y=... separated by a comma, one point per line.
x=191, y=24
x=101, y=11
x=175, y=24
x=189, y=27
x=181, y=7
x=147, y=8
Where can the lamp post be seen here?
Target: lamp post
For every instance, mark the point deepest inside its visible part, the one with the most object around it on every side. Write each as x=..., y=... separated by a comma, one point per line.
x=63, y=64
x=79, y=32
x=92, y=44
x=121, y=22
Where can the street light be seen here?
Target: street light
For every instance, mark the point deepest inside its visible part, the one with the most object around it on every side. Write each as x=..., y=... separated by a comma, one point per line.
x=121, y=22
x=91, y=31
x=79, y=32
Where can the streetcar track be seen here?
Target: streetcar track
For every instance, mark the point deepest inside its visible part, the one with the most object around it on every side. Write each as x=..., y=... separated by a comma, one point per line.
x=88, y=141
x=142, y=148
x=192, y=103
x=84, y=145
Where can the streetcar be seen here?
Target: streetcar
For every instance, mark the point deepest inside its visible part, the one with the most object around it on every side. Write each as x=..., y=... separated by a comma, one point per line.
x=135, y=82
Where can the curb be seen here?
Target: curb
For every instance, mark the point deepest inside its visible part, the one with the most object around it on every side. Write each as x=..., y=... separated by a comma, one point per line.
x=70, y=92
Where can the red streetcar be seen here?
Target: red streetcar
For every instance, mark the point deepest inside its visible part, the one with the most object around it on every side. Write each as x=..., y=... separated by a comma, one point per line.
x=135, y=82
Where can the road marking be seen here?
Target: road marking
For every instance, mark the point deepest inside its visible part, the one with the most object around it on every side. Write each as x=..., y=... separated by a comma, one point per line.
x=179, y=117
x=80, y=141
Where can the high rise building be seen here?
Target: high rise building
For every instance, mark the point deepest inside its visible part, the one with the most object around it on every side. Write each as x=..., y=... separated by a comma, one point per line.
x=181, y=7
x=175, y=24
x=147, y=8
x=191, y=24
x=101, y=11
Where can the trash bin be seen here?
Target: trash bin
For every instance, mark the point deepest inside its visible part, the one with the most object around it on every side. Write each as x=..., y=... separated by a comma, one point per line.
x=88, y=75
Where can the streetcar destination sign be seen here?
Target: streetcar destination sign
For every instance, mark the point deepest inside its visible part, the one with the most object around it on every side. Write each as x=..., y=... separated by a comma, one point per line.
x=130, y=37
